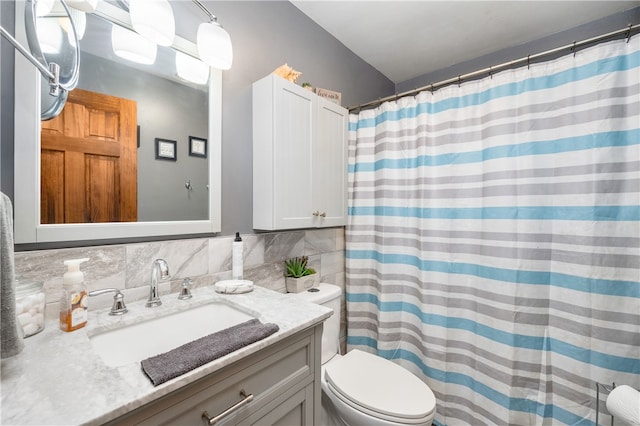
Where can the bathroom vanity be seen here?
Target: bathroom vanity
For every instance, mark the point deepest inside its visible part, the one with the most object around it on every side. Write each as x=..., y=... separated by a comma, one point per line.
x=60, y=379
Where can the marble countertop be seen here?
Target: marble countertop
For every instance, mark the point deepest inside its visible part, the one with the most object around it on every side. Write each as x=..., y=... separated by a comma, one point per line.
x=59, y=380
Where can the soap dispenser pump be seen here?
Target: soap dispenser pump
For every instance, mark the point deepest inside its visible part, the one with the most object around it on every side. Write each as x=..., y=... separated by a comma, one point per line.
x=73, y=303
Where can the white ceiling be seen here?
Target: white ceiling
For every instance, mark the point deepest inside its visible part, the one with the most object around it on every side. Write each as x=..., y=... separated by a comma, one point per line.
x=407, y=39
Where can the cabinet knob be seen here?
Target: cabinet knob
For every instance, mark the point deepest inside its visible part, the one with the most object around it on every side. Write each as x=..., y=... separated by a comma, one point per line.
x=215, y=419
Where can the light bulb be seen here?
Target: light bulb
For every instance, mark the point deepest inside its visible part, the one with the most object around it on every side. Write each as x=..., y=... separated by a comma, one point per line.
x=50, y=34
x=44, y=7
x=83, y=5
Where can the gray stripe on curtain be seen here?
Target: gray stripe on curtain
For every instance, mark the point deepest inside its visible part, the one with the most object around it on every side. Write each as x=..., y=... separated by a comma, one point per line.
x=612, y=260
x=588, y=170
x=612, y=186
x=578, y=240
x=551, y=304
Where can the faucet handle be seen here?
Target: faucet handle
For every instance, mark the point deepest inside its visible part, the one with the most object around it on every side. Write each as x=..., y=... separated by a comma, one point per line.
x=185, y=292
x=118, y=307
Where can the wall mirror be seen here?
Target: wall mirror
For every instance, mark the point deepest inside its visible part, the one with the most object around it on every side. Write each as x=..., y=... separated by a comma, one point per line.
x=174, y=193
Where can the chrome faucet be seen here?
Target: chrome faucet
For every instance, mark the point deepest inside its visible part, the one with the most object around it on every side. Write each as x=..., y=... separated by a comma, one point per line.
x=159, y=271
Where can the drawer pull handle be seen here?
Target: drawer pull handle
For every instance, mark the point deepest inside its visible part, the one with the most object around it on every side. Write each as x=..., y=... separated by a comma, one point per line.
x=213, y=420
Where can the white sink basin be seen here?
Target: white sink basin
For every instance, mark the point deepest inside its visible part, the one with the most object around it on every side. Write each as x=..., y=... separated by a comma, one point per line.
x=135, y=342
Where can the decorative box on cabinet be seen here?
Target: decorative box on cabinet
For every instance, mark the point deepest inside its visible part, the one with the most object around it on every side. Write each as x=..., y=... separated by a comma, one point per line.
x=299, y=158
x=283, y=381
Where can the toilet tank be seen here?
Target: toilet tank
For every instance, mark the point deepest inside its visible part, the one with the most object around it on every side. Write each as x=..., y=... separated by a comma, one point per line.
x=326, y=295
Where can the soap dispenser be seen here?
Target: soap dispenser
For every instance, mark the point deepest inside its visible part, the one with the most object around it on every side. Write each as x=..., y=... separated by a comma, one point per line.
x=73, y=304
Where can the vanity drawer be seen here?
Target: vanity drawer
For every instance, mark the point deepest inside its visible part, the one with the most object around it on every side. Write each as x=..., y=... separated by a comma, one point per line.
x=266, y=375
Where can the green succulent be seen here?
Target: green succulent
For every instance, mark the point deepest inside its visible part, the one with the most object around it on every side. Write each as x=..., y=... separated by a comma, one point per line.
x=296, y=267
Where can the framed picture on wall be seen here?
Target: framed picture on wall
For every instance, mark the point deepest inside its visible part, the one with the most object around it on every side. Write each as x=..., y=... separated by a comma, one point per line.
x=197, y=147
x=166, y=149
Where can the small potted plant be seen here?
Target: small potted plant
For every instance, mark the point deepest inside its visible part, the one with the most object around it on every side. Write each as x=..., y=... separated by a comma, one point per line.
x=307, y=86
x=298, y=276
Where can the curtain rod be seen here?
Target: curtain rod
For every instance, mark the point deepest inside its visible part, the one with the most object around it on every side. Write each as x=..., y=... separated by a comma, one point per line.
x=527, y=59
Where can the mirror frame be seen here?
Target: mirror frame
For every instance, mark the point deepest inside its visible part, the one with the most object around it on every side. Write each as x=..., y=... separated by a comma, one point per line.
x=27, y=226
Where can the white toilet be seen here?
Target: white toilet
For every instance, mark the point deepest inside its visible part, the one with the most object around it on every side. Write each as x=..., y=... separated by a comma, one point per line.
x=362, y=389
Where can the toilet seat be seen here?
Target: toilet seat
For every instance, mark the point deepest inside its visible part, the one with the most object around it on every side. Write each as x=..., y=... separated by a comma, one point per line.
x=379, y=388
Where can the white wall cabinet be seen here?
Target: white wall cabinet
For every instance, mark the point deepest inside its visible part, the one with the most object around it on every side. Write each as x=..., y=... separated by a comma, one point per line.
x=283, y=381
x=299, y=158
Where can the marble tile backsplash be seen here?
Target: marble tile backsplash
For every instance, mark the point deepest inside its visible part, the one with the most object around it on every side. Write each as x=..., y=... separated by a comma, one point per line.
x=205, y=260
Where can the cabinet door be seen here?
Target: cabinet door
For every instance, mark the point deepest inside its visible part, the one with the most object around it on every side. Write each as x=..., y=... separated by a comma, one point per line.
x=330, y=165
x=294, y=116
x=297, y=409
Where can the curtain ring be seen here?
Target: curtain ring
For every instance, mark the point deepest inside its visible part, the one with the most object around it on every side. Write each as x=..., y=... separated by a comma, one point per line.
x=574, y=49
x=459, y=80
x=431, y=88
x=491, y=73
x=628, y=34
x=528, y=61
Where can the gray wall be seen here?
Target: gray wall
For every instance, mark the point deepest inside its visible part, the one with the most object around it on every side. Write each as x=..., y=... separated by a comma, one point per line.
x=6, y=103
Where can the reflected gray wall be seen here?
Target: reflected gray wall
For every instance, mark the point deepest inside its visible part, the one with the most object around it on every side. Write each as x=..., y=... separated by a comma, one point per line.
x=6, y=104
x=167, y=110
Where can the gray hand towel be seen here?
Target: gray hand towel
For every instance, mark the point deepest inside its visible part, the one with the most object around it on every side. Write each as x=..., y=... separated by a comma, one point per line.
x=185, y=358
x=11, y=342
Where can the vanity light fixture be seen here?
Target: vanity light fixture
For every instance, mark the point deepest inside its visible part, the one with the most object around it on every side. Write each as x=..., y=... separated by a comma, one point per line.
x=191, y=69
x=83, y=5
x=154, y=20
x=214, y=43
x=132, y=46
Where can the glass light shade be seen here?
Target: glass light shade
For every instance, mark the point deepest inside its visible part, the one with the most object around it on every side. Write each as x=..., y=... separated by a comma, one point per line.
x=191, y=69
x=79, y=22
x=154, y=20
x=214, y=45
x=44, y=7
x=132, y=46
x=49, y=34
x=83, y=5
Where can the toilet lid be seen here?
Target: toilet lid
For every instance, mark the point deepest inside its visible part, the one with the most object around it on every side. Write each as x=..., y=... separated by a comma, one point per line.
x=380, y=386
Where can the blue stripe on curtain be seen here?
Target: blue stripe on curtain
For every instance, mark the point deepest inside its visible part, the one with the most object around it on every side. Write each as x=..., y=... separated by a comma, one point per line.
x=516, y=276
x=608, y=213
x=612, y=362
x=503, y=267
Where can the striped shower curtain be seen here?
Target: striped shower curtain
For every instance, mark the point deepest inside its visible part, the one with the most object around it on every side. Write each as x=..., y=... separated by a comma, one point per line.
x=493, y=238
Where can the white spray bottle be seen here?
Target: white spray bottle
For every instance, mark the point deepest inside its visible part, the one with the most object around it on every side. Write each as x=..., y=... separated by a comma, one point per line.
x=236, y=261
x=73, y=303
